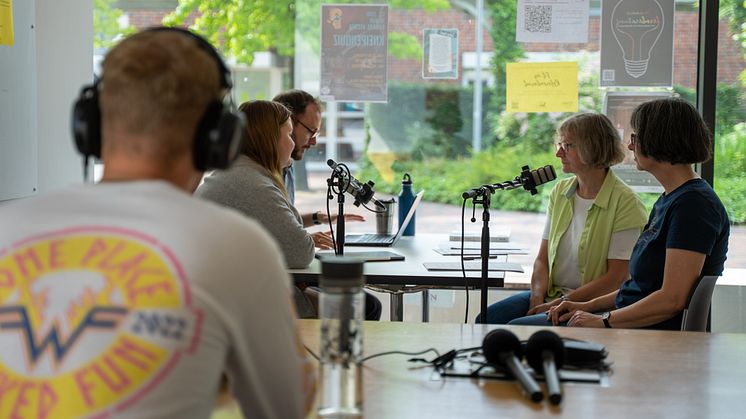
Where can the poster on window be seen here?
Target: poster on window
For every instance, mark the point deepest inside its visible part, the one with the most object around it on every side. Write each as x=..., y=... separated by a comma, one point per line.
x=541, y=87
x=618, y=106
x=637, y=43
x=354, y=48
x=552, y=21
x=440, y=54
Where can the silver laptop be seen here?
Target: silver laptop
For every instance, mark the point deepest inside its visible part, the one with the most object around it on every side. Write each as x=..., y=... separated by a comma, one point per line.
x=384, y=240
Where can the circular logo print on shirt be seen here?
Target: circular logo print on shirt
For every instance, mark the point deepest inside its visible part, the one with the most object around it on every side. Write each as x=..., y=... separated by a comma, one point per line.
x=91, y=320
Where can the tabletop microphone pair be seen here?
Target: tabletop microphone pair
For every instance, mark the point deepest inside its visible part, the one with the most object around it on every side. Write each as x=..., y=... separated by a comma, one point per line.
x=545, y=353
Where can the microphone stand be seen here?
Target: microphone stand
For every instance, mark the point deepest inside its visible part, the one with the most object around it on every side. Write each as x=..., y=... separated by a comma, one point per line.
x=337, y=180
x=484, y=251
x=481, y=196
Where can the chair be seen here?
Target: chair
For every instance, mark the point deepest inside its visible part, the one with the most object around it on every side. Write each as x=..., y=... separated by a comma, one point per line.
x=696, y=316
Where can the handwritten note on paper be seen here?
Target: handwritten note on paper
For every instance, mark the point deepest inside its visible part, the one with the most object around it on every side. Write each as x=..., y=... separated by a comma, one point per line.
x=6, y=22
x=542, y=87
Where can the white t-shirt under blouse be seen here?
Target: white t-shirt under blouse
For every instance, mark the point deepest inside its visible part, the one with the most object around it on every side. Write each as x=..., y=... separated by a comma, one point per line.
x=566, y=268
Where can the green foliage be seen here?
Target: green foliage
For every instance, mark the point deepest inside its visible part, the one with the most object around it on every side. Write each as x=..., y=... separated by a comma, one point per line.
x=106, y=28
x=426, y=120
x=735, y=11
x=404, y=46
x=730, y=108
x=446, y=179
x=240, y=27
x=506, y=49
x=243, y=27
x=730, y=171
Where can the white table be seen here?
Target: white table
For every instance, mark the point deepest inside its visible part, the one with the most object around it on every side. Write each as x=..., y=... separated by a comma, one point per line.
x=409, y=275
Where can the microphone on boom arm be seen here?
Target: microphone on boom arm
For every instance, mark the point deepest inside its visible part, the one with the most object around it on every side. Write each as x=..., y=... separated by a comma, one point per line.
x=529, y=179
x=362, y=192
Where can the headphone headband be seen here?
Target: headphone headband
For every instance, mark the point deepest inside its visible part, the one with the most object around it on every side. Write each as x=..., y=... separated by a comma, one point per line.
x=218, y=136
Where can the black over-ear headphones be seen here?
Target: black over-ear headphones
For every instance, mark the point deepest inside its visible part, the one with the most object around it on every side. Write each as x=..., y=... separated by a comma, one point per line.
x=218, y=137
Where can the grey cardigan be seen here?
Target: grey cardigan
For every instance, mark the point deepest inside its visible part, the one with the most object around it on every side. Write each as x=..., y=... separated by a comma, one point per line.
x=248, y=187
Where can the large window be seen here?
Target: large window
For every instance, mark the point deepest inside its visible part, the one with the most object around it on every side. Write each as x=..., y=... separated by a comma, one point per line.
x=455, y=133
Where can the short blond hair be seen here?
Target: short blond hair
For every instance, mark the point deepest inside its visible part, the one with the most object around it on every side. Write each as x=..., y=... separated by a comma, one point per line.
x=156, y=85
x=597, y=141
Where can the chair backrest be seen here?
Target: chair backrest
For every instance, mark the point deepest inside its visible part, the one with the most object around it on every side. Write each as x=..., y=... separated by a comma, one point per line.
x=697, y=314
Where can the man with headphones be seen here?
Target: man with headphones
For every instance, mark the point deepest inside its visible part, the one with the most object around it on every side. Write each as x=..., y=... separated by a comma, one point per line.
x=130, y=297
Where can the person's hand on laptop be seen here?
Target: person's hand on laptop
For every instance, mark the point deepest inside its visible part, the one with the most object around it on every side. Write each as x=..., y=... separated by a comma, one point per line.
x=323, y=239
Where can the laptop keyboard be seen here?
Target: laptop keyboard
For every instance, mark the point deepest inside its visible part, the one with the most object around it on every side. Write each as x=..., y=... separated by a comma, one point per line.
x=372, y=238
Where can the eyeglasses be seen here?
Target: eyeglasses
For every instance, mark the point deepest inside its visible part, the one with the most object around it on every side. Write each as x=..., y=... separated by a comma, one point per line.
x=565, y=147
x=311, y=131
x=632, y=139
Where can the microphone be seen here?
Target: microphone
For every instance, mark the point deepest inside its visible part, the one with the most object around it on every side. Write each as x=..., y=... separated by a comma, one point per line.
x=502, y=347
x=362, y=192
x=529, y=179
x=545, y=352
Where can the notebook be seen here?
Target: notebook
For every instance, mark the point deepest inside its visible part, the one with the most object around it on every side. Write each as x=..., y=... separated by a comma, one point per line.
x=384, y=240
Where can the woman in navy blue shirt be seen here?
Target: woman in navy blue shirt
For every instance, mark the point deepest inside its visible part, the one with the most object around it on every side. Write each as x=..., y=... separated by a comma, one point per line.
x=687, y=232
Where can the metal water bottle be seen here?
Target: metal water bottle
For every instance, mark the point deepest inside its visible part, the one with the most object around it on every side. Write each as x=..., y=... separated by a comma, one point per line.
x=341, y=308
x=406, y=199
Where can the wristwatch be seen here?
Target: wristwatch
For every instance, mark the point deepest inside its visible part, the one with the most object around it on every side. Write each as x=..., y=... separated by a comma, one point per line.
x=315, y=218
x=605, y=317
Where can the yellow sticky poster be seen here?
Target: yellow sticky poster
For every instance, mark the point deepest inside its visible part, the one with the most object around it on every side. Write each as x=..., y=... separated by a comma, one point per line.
x=542, y=87
x=6, y=22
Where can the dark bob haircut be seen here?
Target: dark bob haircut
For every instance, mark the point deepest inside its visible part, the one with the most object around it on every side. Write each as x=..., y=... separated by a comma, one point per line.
x=671, y=130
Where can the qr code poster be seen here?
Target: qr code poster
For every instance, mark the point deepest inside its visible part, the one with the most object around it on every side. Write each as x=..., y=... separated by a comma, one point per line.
x=637, y=43
x=552, y=21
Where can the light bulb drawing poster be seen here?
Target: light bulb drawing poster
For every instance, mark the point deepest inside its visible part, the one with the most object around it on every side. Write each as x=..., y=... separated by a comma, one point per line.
x=552, y=21
x=618, y=106
x=440, y=53
x=637, y=43
x=542, y=87
x=354, y=49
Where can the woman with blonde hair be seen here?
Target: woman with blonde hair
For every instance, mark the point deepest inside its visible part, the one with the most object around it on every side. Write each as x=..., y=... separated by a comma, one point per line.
x=686, y=236
x=254, y=186
x=593, y=221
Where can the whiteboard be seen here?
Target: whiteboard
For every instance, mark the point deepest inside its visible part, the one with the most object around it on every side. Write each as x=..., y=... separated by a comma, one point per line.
x=18, y=122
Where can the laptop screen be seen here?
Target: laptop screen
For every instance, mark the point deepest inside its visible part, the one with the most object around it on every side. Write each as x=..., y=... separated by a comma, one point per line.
x=410, y=214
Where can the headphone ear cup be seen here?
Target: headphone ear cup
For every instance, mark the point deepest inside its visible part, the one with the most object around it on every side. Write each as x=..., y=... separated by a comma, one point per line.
x=86, y=122
x=219, y=137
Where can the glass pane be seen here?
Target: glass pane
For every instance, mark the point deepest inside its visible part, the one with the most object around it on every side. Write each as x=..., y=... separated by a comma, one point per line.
x=730, y=125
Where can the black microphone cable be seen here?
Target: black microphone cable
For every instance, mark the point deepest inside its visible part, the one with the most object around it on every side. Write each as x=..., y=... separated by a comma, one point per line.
x=463, y=268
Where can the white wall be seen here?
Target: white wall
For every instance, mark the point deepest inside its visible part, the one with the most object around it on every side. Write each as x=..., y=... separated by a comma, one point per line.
x=64, y=57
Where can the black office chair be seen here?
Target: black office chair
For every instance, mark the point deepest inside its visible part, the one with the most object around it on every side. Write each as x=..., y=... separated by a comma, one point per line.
x=696, y=316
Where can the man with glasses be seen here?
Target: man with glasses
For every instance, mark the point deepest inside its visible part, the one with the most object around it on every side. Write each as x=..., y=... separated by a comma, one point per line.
x=306, y=117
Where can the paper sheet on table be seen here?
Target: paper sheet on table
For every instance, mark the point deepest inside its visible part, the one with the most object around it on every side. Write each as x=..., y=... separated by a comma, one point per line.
x=477, y=252
x=478, y=246
x=472, y=266
x=542, y=87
